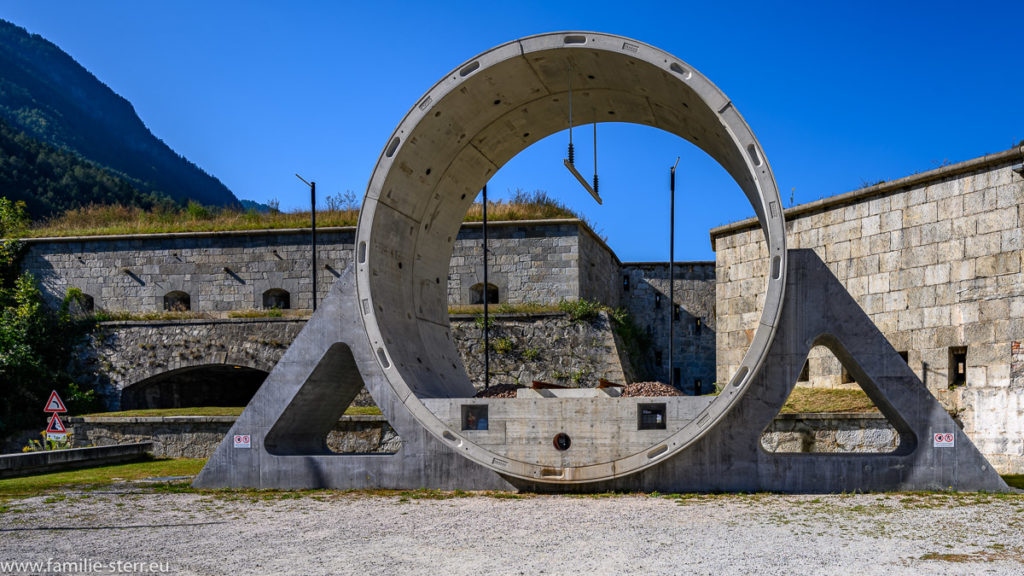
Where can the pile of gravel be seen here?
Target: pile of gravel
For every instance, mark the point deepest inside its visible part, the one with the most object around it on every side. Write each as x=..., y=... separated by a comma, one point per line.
x=645, y=389
x=634, y=390
x=499, y=391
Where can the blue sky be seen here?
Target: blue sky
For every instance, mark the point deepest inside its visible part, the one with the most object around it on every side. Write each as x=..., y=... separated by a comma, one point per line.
x=840, y=94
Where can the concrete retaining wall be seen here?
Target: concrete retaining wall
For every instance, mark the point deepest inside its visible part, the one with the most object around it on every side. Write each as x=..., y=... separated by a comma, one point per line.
x=838, y=433
x=57, y=460
x=198, y=436
x=547, y=347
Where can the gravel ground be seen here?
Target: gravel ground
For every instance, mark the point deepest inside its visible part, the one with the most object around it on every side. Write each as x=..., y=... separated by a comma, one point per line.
x=344, y=533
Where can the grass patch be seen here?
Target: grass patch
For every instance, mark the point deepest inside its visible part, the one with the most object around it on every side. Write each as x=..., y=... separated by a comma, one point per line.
x=362, y=411
x=100, y=476
x=805, y=400
x=104, y=316
x=160, y=412
x=1014, y=480
x=536, y=205
x=270, y=313
x=581, y=310
x=114, y=220
x=102, y=220
x=212, y=411
x=504, y=308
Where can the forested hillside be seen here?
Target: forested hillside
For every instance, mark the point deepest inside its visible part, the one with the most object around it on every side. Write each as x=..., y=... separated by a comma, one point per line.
x=50, y=180
x=50, y=98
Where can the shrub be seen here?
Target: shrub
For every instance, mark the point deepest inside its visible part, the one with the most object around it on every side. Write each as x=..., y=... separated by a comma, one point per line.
x=581, y=310
x=502, y=345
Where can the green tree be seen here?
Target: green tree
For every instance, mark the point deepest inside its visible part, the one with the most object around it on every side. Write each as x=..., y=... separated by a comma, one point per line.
x=35, y=343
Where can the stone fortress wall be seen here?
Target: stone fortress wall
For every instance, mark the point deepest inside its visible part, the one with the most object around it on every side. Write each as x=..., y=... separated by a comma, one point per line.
x=645, y=293
x=219, y=271
x=936, y=260
x=540, y=262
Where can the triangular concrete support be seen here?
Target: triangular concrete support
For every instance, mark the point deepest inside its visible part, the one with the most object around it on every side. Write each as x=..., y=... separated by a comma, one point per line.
x=309, y=389
x=818, y=310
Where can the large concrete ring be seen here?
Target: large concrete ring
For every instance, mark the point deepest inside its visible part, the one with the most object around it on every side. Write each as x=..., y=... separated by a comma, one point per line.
x=449, y=145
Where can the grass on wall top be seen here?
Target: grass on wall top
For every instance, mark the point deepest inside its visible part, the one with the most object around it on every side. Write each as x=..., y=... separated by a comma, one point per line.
x=117, y=220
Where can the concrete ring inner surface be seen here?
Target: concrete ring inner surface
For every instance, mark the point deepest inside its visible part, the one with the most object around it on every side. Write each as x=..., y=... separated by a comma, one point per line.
x=433, y=166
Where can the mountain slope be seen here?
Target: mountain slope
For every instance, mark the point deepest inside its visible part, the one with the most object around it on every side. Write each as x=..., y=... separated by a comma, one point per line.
x=49, y=96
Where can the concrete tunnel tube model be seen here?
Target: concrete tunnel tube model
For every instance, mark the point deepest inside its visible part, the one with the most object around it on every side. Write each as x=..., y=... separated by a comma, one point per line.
x=445, y=149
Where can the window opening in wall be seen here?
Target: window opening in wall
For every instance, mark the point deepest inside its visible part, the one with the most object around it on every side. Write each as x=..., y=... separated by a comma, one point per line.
x=650, y=416
x=476, y=294
x=474, y=417
x=805, y=372
x=845, y=377
x=277, y=298
x=657, y=357
x=675, y=312
x=676, y=377
x=957, y=366
x=657, y=300
x=177, y=301
x=905, y=355
x=697, y=325
x=697, y=387
x=625, y=283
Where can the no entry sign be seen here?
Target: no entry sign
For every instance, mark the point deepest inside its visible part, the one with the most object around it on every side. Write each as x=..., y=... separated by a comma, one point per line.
x=943, y=440
x=243, y=441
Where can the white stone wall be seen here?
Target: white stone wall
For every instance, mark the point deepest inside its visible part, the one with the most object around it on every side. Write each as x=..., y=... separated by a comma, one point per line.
x=694, y=344
x=529, y=262
x=599, y=270
x=936, y=262
x=226, y=271
x=221, y=271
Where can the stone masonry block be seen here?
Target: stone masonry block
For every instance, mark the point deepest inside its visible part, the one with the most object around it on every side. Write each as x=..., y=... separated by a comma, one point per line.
x=871, y=225
x=936, y=274
x=890, y=221
x=878, y=283
x=995, y=220
x=982, y=245
x=998, y=264
x=950, y=208
x=920, y=256
x=919, y=214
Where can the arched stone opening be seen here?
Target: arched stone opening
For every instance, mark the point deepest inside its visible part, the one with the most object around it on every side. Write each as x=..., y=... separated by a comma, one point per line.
x=177, y=301
x=477, y=294
x=277, y=298
x=209, y=385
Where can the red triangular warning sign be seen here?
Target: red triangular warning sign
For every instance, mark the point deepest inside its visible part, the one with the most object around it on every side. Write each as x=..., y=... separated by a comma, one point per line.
x=54, y=404
x=56, y=426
